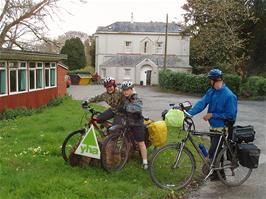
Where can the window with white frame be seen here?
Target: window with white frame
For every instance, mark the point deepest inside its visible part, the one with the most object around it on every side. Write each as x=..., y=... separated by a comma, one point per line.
x=32, y=66
x=159, y=47
x=17, y=77
x=103, y=72
x=39, y=75
x=3, y=79
x=127, y=71
x=50, y=74
x=145, y=46
x=128, y=46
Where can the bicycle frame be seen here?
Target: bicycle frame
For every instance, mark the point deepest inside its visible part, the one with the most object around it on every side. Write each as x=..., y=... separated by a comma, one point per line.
x=204, y=159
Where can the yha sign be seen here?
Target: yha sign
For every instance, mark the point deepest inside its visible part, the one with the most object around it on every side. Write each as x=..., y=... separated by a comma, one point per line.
x=89, y=145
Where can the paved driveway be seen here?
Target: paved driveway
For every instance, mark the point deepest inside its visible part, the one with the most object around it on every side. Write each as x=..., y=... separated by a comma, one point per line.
x=249, y=112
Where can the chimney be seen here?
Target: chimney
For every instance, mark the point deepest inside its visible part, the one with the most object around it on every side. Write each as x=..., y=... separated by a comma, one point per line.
x=131, y=18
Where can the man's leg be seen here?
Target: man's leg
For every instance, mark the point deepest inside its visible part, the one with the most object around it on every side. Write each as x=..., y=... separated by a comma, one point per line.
x=214, y=143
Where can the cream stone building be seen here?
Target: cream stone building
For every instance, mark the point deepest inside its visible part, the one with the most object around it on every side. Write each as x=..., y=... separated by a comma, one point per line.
x=135, y=51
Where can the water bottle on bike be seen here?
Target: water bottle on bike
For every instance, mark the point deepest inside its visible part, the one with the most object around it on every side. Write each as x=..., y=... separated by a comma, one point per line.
x=203, y=150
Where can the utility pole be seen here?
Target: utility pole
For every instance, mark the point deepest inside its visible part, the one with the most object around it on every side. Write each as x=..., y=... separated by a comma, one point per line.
x=165, y=46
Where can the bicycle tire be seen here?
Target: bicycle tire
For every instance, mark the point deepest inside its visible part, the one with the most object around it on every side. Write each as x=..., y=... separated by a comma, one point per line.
x=165, y=170
x=114, y=154
x=223, y=160
x=66, y=144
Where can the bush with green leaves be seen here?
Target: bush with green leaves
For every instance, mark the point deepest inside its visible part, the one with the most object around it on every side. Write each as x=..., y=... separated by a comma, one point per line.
x=254, y=86
x=194, y=84
x=23, y=111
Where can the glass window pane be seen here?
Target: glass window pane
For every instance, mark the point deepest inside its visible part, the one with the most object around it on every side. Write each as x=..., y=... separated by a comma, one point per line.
x=47, y=78
x=39, y=65
x=52, y=71
x=2, y=64
x=2, y=82
x=53, y=65
x=39, y=78
x=32, y=64
x=13, y=64
x=47, y=65
x=13, y=81
x=32, y=79
x=23, y=64
x=22, y=80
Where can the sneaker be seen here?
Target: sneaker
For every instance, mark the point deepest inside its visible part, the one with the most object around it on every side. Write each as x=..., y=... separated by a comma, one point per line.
x=145, y=166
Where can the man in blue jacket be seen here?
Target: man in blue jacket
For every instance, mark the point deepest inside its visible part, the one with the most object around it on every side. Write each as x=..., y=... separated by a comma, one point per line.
x=222, y=108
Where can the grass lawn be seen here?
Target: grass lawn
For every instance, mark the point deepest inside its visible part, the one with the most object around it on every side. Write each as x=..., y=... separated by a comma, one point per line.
x=31, y=165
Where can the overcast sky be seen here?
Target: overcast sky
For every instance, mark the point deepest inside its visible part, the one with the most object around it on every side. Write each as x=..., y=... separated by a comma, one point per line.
x=87, y=17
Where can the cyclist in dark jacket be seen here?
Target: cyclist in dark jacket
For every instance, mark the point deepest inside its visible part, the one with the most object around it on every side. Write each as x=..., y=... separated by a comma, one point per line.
x=222, y=107
x=132, y=107
x=113, y=97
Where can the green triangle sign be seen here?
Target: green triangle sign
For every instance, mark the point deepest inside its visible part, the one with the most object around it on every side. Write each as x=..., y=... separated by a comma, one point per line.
x=89, y=145
x=89, y=139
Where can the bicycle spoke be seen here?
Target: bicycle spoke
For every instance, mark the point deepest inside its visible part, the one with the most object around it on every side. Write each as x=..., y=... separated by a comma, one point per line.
x=163, y=172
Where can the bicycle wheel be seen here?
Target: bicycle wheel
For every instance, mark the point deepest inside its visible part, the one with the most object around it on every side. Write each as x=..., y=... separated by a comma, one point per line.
x=70, y=142
x=161, y=167
x=188, y=124
x=231, y=172
x=114, y=154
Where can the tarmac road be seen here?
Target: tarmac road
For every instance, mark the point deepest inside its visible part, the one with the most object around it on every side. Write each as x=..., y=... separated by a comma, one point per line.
x=249, y=112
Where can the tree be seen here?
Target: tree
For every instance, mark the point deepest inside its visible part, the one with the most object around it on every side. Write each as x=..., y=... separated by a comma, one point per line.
x=74, y=49
x=257, y=44
x=218, y=37
x=20, y=19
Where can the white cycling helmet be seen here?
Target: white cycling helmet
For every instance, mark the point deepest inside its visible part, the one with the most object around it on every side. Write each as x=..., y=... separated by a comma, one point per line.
x=126, y=85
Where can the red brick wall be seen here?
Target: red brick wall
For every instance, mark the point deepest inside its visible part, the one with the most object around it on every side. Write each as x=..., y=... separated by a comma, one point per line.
x=61, y=82
x=32, y=99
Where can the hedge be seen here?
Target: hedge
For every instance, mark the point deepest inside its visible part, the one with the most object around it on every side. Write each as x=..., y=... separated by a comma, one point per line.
x=199, y=84
x=254, y=86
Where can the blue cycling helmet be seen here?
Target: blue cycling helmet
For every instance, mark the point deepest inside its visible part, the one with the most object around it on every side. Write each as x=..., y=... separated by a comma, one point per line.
x=215, y=74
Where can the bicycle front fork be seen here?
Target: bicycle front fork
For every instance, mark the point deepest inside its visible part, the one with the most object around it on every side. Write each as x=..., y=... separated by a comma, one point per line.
x=178, y=155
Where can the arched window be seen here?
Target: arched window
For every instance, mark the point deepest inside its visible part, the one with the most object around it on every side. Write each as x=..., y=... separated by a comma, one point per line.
x=145, y=46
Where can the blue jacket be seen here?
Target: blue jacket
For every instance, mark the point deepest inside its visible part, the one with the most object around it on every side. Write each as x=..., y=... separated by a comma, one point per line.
x=222, y=104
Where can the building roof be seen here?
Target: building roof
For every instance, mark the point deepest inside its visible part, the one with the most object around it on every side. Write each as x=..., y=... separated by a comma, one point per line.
x=132, y=60
x=10, y=54
x=153, y=27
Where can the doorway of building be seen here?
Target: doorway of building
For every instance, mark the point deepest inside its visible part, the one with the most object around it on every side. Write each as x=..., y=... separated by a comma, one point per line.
x=145, y=75
x=148, y=77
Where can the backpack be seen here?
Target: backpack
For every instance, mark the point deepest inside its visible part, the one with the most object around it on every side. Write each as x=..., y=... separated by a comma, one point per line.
x=157, y=133
x=174, y=118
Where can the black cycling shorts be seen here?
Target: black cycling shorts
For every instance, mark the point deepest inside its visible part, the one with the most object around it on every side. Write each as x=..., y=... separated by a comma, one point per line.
x=138, y=133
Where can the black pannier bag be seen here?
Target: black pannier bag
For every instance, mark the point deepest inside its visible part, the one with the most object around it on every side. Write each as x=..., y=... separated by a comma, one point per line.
x=243, y=134
x=248, y=155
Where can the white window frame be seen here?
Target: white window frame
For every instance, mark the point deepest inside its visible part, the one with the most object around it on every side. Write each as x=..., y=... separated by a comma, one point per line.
x=39, y=68
x=17, y=69
x=34, y=70
x=159, y=49
x=128, y=48
x=127, y=71
x=103, y=70
x=52, y=65
x=4, y=69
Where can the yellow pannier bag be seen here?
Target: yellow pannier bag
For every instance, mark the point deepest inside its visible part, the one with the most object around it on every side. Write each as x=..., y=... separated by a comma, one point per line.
x=157, y=133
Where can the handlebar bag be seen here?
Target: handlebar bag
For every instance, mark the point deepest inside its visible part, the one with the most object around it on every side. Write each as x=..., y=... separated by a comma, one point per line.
x=174, y=118
x=248, y=155
x=243, y=134
x=157, y=133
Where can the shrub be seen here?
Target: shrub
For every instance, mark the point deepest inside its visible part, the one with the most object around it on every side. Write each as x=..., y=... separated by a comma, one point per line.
x=254, y=86
x=20, y=112
x=194, y=84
